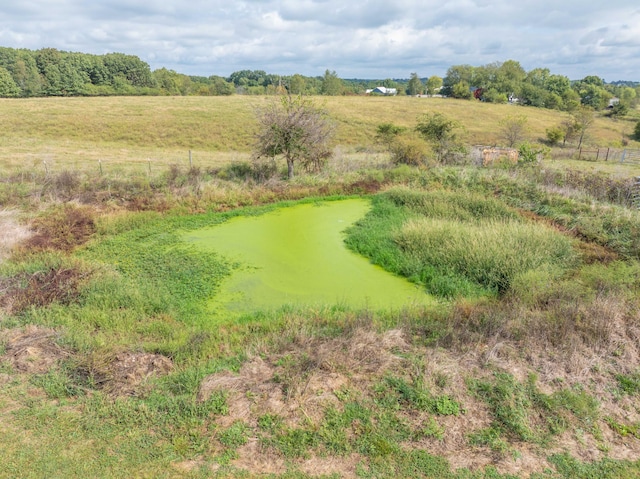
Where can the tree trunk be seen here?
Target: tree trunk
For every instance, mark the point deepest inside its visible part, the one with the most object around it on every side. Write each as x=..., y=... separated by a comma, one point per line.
x=289, y=168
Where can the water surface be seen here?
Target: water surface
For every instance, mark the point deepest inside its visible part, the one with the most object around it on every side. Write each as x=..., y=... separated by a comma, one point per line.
x=296, y=255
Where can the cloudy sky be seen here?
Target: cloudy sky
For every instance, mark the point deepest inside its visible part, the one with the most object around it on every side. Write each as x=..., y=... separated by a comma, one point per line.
x=364, y=39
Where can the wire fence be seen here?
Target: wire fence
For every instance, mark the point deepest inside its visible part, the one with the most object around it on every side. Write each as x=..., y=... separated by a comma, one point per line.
x=34, y=166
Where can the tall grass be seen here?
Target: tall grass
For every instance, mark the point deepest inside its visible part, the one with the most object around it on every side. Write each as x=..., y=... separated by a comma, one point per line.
x=456, y=243
x=490, y=253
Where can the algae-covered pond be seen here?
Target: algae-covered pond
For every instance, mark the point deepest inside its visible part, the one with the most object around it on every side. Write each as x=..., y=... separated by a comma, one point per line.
x=296, y=255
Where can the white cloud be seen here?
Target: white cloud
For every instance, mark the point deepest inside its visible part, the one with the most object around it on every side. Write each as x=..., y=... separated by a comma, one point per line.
x=370, y=38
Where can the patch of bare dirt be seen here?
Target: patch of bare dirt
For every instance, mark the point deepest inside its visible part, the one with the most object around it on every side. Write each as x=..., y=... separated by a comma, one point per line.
x=33, y=349
x=305, y=377
x=127, y=373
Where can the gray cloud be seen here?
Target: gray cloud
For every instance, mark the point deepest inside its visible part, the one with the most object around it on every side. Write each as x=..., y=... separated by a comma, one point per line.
x=367, y=39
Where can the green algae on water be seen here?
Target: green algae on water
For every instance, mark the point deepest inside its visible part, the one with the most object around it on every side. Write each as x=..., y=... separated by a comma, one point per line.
x=296, y=255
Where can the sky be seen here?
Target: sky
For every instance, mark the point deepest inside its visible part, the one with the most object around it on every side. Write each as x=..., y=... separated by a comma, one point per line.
x=373, y=39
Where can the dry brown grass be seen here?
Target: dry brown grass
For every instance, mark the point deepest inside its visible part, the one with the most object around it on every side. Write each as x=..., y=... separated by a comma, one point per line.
x=33, y=349
x=63, y=228
x=60, y=285
x=12, y=232
x=128, y=133
x=299, y=380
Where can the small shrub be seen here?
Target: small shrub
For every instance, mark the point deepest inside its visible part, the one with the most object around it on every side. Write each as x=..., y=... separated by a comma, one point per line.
x=295, y=442
x=66, y=183
x=529, y=153
x=555, y=135
x=510, y=404
x=57, y=384
x=408, y=151
x=387, y=133
x=270, y=423
x=624, y=430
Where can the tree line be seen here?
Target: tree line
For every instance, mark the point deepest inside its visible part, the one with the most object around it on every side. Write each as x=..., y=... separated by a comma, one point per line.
x=501, y=82
x=51, y=72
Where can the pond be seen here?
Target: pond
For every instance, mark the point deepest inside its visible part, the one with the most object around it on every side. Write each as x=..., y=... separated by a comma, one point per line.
x=296, y=255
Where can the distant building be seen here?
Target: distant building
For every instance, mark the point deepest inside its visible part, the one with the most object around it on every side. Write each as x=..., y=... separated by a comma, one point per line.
x=613, y=101
x=381, y=90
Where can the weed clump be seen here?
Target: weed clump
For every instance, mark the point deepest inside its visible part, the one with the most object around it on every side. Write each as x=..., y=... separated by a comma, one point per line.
x=39, y=289
x=63, y=229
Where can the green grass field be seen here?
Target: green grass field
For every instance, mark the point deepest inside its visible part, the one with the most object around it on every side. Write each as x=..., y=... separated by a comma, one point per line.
x=111, y=365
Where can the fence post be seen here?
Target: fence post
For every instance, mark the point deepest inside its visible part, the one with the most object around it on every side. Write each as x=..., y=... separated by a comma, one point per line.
x=149, y=161
x=607, y=158
x=100, y=165
x=46, y=168
x=597, y=154
x=624, y=152
x=190, y=160
x=580, y=153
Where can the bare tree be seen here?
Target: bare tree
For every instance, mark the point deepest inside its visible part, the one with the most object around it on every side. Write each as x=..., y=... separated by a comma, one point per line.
x=583, y=118
x=295, y=129
x=513, y=129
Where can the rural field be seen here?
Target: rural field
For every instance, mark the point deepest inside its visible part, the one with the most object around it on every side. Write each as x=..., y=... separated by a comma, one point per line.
x=125, y=351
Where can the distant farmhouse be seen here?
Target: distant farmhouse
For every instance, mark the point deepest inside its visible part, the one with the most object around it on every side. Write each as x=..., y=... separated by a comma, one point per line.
x=381, y=90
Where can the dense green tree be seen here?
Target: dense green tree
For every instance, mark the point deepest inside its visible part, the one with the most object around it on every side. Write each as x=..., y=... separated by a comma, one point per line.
x=492, y=95
x=636, y=131
x=331, y=84
x=509, y=78
x=456, y=75
x=8, y=87
x=297, y=84
x=538, y=77
x=592, y=92
x=131, y=68
x=26, y=74
x=220, y=87
x=558, y=84
x=415, y=86
x=434, y=83
x=533, y=95
x=462, y=90
x=168, y=80
x=249, y=78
